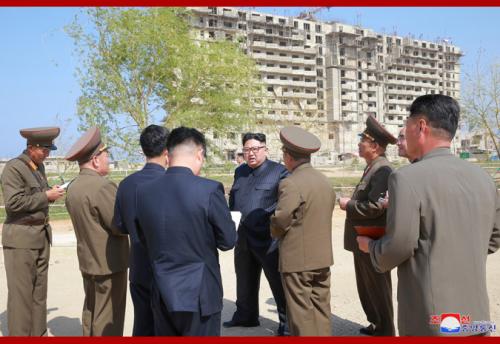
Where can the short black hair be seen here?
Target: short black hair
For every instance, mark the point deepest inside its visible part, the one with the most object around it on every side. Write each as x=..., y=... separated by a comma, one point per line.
x=253, y=136
x=154, y=140
x=182, y=135
x=442, y=112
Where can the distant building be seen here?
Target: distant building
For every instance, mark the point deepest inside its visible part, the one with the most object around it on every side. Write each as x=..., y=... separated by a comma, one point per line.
x=328, y=77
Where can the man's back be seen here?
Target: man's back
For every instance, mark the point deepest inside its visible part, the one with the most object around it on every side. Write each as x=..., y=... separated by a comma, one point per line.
x=450, y=209
x=90, y=201
x=307, y=245
x=125, y=216
x=183, y=226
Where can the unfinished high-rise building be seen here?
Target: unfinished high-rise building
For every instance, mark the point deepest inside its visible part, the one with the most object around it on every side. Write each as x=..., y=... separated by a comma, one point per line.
x=328, y=77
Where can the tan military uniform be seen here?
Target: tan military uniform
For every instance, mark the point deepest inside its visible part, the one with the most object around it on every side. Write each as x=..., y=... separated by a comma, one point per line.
x=303, y=222
x=443, y=220
x=102, y=253
x=374, y=288
x=25, y=238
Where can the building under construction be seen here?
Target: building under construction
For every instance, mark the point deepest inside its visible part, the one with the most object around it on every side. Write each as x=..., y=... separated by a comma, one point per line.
x=328, y=76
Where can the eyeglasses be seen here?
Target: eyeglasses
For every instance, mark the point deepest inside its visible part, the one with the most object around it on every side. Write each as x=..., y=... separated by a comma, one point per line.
x=252, y=149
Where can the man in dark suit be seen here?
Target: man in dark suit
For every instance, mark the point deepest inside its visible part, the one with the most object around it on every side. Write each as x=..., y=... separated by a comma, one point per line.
x=255, y=194
x=154, y=146
x=183, y=220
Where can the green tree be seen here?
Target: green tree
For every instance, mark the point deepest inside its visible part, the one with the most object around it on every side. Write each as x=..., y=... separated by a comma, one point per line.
x=139, y=65
x=481, y=101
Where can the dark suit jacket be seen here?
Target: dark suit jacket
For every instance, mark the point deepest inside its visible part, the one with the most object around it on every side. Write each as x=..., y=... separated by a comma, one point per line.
x=124, y=219
x=184, y=219
x=255, y=194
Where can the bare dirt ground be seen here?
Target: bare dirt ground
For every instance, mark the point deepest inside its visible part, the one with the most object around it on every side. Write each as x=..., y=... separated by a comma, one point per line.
x=65, y=296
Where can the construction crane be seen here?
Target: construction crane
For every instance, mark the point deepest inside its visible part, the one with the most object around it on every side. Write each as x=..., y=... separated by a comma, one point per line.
x=309, y=14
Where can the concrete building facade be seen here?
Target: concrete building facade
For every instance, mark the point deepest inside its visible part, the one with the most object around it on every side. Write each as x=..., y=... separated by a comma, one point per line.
x=327, y=77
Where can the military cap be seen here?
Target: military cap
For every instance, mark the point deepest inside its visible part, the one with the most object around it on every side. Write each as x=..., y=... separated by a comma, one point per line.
x=87, y=146
x=299, y=141
x=376, y=132
x=41, y=137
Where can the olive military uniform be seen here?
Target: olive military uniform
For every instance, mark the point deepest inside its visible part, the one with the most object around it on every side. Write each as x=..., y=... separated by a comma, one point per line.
x=303, y=223
x=102, y=249
x=374, y=288
x=26, y=238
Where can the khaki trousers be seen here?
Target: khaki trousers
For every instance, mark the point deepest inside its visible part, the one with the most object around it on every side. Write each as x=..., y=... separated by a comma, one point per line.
x=104, y=306
x=27, y=273
x=308, y=302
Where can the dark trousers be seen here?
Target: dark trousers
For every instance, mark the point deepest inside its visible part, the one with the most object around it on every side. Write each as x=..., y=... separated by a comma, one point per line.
x=182, y=323
x=249, y=263
x=375, y=294
x=27, y=271
x=143, y=313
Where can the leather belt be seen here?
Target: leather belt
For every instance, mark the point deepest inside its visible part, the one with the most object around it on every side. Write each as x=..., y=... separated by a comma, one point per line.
x=28, y=221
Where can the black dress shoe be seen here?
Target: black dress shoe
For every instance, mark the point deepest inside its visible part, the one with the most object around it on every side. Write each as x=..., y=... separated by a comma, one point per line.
x=234, y=323
x=368, y=330
x=283, y=330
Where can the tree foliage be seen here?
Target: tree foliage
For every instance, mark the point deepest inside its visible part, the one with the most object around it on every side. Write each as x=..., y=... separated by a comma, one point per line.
x=144, y=65
x=481, y=101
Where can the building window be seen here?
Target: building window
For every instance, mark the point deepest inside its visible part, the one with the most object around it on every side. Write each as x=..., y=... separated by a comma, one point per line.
x=307, y=27
x=319, y=39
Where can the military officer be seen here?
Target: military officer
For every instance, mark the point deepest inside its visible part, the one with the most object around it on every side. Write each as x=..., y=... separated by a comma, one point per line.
x=443, y=220
x=27, y=235
x=364, y=208
x=102, y=249
x=303, y=224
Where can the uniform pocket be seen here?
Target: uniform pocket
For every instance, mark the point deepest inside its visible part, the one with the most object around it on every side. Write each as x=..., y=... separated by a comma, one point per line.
x=266, y=186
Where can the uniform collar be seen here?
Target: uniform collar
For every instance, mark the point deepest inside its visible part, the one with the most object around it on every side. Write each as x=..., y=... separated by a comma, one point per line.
x=258, y=170
x=179, y=170
x=375, y=161
x=25, y=157
x=302, y=166
x=89, y=172
x=153, y=166
x=440, y=151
